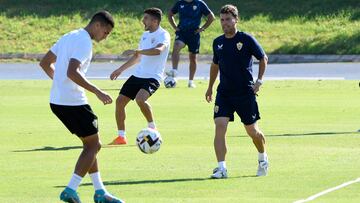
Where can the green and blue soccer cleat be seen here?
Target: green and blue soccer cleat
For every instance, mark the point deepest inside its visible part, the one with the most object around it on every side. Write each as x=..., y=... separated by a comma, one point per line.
x=101, y=197
x=70, y=196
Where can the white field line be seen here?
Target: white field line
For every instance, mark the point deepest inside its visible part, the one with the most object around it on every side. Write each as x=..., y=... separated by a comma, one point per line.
x=327, y=191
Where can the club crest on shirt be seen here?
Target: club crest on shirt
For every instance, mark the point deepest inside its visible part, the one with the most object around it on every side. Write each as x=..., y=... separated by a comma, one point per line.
x=152, y=40
x=194, y=8
x=220, y=46
x=144, y=38
x=95, y=123
x=239, y=46
x=181, y=6
x=216, y=109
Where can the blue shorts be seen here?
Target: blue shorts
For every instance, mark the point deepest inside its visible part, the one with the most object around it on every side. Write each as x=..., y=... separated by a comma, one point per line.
x=246, y=108
x=189, y=38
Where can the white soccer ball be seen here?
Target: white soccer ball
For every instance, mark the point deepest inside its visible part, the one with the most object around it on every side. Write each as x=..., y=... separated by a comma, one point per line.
x=148, y=140
x=170, y=82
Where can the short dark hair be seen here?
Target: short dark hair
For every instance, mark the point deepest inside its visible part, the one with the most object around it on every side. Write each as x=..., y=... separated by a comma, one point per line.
x=104, y=17
x=230, y=9
x=154, y=12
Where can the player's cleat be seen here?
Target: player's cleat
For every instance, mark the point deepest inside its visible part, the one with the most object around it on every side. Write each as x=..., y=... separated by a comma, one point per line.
x=101, y=197
x=69, y=195
x=191, y=85
x=119, y=141
x=219, y=173
x=172, y=73
x=263, y=168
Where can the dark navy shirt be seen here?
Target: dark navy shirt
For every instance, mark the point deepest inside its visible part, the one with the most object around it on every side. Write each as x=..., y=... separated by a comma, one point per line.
x=234, y=57
x=190, y=14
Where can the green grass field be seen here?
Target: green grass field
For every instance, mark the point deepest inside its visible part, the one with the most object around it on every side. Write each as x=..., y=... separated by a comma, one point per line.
x=282, y=27
x=311, y=137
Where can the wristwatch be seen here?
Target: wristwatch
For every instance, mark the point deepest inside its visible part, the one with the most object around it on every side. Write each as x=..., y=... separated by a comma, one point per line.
x=259, y=81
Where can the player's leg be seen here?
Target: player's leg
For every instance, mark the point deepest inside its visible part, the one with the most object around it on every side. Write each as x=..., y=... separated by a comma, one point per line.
x=249, y=113
x=141, y=100
x=221, y=124
x=192, y=69
x=85, y=161
x=259, y=141
x=175, y=58
x=194, y=45
x=127, y=93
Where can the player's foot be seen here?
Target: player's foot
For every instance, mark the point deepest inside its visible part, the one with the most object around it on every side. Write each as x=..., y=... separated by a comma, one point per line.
x=119, y=141
x=219, y=173
x=101, y=197
x=263, y=168
x=69, y=195
x=172, y=73
x=191, y=85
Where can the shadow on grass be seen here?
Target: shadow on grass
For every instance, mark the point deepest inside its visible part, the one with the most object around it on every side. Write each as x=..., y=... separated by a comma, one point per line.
x=274, y=9
x=49, y=148
x=301, y=134
x=140, y=182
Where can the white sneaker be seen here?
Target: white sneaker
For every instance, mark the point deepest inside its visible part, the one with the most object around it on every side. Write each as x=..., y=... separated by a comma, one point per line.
x=262, y=168
x=219, y=173
x=172, y=73
x=191, y=85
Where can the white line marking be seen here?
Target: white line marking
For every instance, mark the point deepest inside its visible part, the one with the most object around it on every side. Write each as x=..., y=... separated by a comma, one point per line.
x=327, y=191
x=207, y=78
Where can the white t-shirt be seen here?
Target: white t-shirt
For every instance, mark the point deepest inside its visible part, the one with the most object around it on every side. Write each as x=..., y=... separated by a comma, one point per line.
x=77, y=45
x=153, y=66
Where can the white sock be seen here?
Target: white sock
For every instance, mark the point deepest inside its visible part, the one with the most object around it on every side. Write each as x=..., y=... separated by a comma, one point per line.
x=121, y=133
x=191, y=81
x=152, y=125
x=74, y=182
x=262, y=156
x=222, y=164
x=97, y=182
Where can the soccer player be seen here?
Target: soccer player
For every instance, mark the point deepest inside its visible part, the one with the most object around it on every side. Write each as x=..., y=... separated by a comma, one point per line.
x=66, y=64
x=236, y=92
x=188, y=32
x=150, y=58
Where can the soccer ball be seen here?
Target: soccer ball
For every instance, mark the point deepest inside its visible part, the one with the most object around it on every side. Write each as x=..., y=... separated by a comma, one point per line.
x=148, y=140
x=170, y=82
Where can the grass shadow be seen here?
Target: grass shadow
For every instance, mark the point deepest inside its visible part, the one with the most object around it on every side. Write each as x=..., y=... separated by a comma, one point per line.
x=50, y=148
x=140, y=182
x=302, y=134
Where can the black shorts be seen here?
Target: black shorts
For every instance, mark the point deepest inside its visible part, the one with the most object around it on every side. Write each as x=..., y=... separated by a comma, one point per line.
x=190, y=38
x=245, y=106
x=79, y=120
x=132, y=86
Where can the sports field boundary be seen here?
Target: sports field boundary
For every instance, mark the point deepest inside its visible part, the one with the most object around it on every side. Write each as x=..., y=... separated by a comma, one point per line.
x=328, y=191
x=273, y=58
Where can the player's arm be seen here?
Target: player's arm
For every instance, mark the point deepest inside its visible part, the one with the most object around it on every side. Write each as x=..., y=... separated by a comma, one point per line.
x=47, y=64
x=172, y=20
x=148, y=52
x=74, y=74
x=214, y=70
x=135, y=58
x=209, y=20
x=262, y=67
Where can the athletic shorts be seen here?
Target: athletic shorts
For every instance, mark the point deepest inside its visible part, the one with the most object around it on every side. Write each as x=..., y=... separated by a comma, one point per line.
x=79, y=120
x=189, y=38
x=132, y=86
x=245, y=106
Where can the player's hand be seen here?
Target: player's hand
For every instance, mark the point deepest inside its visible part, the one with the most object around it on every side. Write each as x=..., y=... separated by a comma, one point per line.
x=208, y=95
x=256, y=86
x=104, y=97
x=129, y=52
x=114, y=75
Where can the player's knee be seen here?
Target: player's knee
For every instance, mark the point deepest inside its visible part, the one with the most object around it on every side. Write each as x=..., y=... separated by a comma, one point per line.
x=120, y=102
x=140, y=101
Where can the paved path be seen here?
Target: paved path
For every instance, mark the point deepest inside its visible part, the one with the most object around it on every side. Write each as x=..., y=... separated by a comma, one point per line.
x=347, y=71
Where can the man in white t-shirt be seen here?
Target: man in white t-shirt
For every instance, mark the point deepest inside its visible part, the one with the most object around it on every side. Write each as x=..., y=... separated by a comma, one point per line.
x=67, y=63
x=151, y=58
